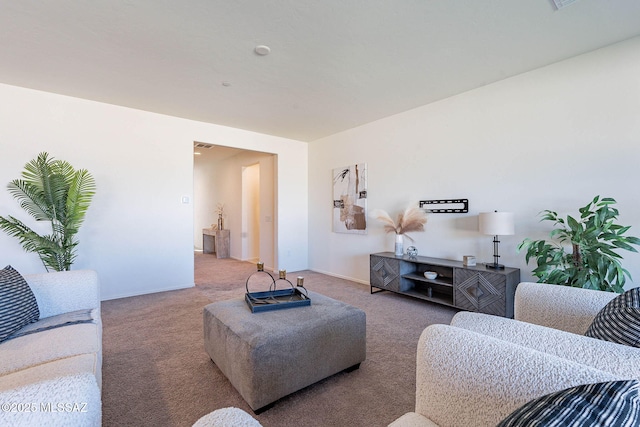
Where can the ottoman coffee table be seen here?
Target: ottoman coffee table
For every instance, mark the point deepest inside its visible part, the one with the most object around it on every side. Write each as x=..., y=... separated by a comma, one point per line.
x=268, y=355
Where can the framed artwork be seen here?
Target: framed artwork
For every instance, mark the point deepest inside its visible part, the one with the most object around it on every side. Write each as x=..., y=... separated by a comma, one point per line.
x=350, y=199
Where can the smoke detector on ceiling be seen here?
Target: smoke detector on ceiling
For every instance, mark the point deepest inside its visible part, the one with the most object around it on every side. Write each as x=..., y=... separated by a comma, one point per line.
x=262, y=50
x=563, y=3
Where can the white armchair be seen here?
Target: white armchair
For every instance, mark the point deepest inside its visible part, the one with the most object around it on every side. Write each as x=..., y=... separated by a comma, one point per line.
x=481, y=368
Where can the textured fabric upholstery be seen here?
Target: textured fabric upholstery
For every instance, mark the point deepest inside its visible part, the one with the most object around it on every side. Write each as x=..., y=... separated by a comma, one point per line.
x=59, y=365
x=269, y=355
x=45, y=346
x=77, y=393
x=413, y=419
x=610, y=357
x=559, y=307
x=481, y=368
x=74, y=365
x=465, y=378
x=65, y=291
x=227, y=417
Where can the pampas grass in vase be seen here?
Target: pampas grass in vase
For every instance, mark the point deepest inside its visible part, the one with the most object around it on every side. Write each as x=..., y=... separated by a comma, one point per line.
x=412, y=219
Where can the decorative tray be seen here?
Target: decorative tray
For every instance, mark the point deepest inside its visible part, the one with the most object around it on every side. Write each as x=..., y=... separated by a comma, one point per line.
x=276, y=299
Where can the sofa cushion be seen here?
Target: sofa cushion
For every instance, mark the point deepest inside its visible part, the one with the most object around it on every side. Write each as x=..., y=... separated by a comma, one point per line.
x=72, y=400
x=74, y=365
x=58, y=321
x=620, y=360
x=227, y=417
x=52, y=344
x=412, y=419
x=18, y=306
x=619, y=320
x=608, y=403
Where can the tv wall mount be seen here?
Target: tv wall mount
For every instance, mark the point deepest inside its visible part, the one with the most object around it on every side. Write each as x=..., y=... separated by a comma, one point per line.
x=445, y=205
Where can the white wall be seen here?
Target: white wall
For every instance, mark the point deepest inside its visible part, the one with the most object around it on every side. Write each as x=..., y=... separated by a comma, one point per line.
x=138, y=234
x=548, y=139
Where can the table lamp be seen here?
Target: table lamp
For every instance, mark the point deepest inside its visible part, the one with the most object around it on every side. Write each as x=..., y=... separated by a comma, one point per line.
x=496, y=224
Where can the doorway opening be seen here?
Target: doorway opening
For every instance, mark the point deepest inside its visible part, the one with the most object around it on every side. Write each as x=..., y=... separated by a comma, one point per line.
x=243, y=183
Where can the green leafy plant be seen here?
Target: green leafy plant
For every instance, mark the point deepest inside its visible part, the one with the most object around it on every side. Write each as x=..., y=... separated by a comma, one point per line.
x=594, y=237
x=51, y=190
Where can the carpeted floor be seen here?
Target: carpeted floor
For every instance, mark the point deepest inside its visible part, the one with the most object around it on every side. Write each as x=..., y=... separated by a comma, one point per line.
x=156, y=372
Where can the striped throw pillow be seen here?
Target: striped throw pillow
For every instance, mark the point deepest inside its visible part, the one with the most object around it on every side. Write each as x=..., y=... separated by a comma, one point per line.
x=615, y=403
x=619, y=321
x=18, y=306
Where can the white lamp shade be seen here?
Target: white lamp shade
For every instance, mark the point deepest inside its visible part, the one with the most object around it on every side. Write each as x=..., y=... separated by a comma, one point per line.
x=496, y=223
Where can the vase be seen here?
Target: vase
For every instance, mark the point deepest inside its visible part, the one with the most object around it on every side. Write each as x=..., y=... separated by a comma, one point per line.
x=220, y=223
x=399, y=244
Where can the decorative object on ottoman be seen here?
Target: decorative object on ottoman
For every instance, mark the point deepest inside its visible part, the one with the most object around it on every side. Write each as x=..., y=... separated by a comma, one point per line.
x=274, y=298
x=272, y=354
x=227, y=417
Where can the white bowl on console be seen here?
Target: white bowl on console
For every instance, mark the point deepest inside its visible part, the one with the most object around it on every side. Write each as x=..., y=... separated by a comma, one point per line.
x=430, y=275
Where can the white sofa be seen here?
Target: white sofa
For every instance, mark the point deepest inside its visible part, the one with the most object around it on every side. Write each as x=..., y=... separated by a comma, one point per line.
x=53, y=377
x=480, y=368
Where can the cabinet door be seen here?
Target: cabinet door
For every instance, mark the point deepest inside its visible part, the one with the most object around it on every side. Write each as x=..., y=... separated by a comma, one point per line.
x=385, y=273
x=480, y=291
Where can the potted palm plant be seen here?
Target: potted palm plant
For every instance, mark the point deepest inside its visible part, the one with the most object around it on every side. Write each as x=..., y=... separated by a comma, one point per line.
x=594, y=239
x=51, y=190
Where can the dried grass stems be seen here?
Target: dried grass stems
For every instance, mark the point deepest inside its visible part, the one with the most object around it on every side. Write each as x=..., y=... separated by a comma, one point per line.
x=412, y=219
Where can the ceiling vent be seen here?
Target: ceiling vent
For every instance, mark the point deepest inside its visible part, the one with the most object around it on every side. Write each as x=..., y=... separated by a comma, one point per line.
x=202, y=145
x=563, y=3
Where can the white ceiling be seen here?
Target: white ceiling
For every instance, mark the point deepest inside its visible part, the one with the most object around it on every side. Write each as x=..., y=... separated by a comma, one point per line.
x=334, y=64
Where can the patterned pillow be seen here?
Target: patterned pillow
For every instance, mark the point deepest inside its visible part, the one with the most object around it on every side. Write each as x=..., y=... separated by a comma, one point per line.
x=18, y=306
x=615, y=403
x=619, y=321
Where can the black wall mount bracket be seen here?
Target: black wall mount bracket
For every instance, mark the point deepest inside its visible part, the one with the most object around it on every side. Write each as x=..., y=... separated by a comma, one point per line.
x=445, y=205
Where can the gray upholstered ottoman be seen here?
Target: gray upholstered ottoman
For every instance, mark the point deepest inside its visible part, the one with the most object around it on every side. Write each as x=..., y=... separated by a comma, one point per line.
x=271, y=354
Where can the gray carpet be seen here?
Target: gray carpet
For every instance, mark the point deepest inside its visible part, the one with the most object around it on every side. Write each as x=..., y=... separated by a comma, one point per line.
x=156, y=372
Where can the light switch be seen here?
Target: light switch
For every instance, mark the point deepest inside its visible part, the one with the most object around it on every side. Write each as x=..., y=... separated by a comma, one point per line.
x=185, y=200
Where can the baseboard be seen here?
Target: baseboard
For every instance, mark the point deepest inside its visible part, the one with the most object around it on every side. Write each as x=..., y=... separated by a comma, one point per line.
x=339, y=276
x=151, y=291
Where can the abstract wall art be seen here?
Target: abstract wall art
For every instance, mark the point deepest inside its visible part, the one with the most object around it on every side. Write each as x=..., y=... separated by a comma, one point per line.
x=350, y=199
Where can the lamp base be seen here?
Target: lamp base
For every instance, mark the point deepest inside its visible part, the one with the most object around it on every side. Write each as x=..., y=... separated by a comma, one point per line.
x=494, y=266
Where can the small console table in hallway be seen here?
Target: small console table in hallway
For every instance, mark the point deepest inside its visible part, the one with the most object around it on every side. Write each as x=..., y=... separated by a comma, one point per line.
x=216, y=241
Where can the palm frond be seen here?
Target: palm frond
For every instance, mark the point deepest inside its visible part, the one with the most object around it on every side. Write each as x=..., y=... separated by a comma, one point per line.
x=51, y=190
x=82, y=188
x=31, y=199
